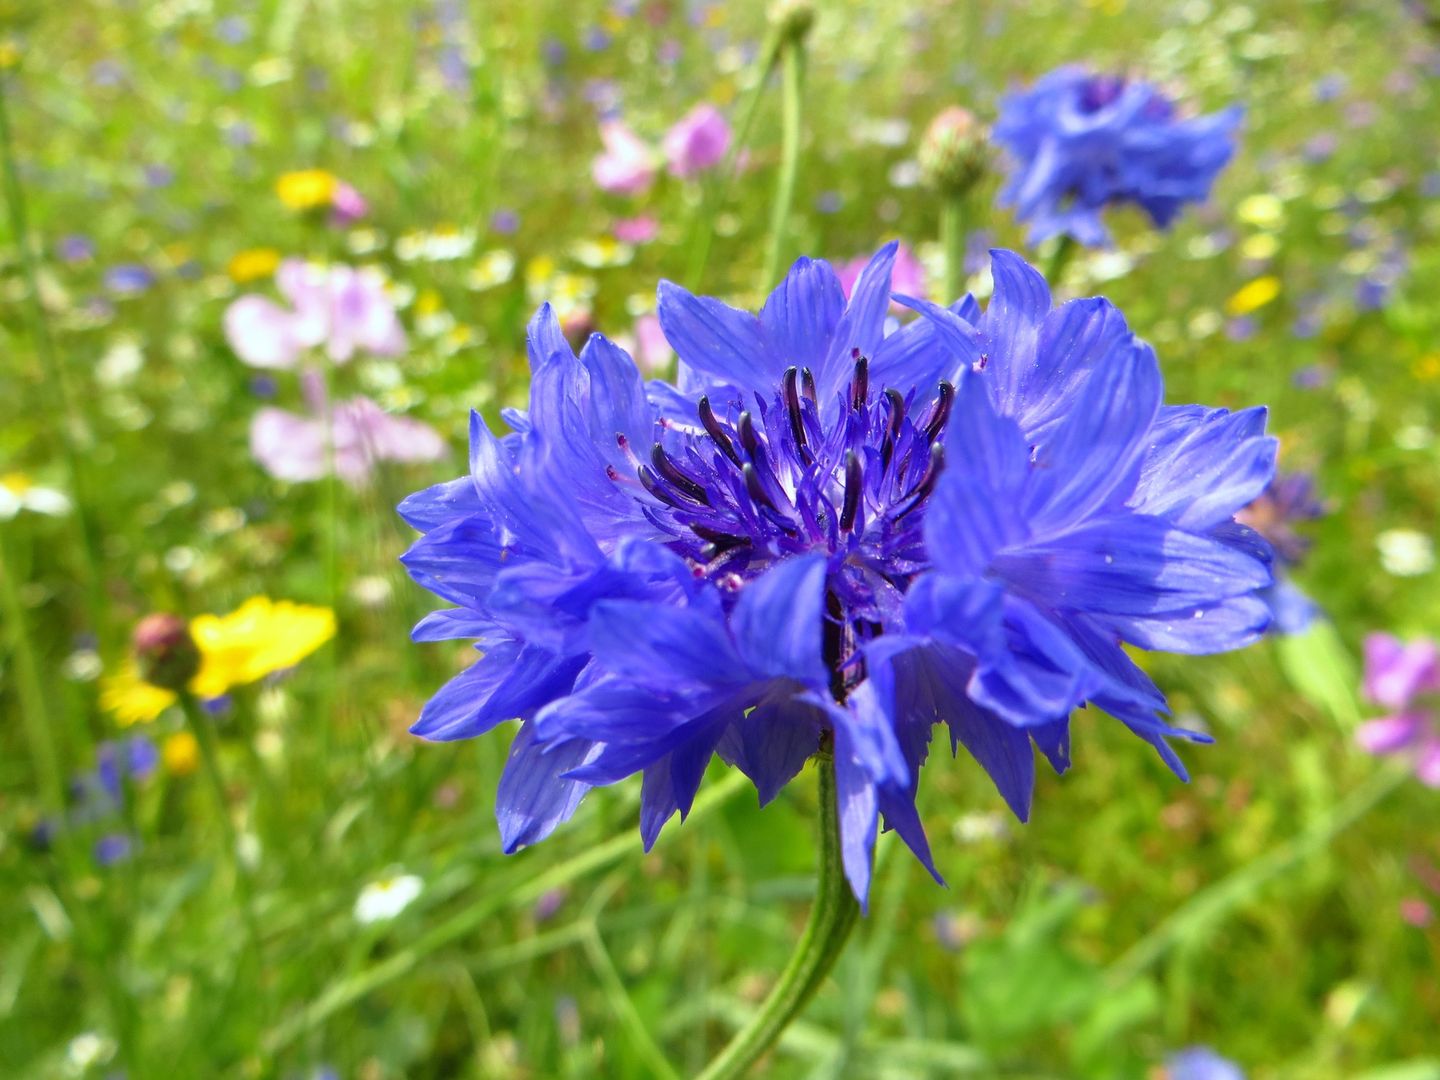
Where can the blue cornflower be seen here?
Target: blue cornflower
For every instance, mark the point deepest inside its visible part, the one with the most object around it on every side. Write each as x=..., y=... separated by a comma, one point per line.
x=1289, y=501
x=1201, y=1063
x=1080, y=142
x=823, y=539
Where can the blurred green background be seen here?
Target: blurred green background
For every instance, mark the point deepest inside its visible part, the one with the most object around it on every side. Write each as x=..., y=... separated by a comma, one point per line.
x=1275, y=908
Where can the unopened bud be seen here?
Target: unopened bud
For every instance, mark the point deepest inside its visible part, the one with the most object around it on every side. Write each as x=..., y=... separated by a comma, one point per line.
x=792, y=19
x=167, y=654
x=953, y=151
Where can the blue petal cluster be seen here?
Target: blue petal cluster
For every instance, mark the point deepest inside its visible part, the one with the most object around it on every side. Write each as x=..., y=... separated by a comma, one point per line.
x=1080, y=142
x=826, y=539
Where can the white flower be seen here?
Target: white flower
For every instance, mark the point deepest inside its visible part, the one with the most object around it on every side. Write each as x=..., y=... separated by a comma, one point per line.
x=384, y=899
x=87, y=1051
x=17, y=493
x=1406, y=552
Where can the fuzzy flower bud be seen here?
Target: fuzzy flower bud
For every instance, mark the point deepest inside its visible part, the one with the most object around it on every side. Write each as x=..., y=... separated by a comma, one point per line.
x=167, y=654
x=792, y=18
x=954, y=150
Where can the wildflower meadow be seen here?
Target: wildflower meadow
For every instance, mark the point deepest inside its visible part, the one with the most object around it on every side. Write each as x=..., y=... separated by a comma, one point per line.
x=664, y=538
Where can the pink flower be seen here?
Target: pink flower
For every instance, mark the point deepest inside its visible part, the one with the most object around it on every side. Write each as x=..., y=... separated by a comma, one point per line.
x=1416, y=912
x=908, y=280
x=636, y=230
x=1402, y=676
x=339, y=307
x=347, y=205
x=296, y=447
x=652, y=350
x=698, y=141
x=627, y=166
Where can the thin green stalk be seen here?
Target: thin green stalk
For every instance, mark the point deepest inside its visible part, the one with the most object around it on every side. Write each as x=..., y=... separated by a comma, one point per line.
x=53, y=373
x=716, y=194
x=204, y=734
x=32, y=697
x=1219, y=899
x=952, y=242
x=792, y=59
x=831, y=920
x=1060, y=259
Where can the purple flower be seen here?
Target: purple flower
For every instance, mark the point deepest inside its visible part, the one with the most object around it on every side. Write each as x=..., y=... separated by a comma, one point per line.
x=112, y=848
x=627, y=167
x=826, y=539
x=1201, y=1063
x=697, y=142
x=504, y=222
x=75, y=248
x=128, y=279
x=1404, y=677
x=1080, y=142
x=341, y=308
x=636, y=230
x=356, y=435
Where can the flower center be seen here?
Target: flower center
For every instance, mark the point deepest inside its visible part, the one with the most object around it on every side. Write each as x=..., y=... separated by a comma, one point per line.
x=743, y=490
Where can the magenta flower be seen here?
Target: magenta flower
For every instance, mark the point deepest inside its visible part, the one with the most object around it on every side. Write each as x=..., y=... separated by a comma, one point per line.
x=627, y=166
x=347, y=205
x=339, y=307
x=652, y=349
x=698, y=141
x=299, y=447
x=1404, y=677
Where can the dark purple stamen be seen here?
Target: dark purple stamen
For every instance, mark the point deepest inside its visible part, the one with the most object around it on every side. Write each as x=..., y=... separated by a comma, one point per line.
x=652, y=484
x=944, y=400
x=860, y=385
x=807, y=386
x=749, y=437
x=896, y=423
x=716, y=432
x=854, y=479
x=670, y=471
x=933, y=468
x=792, y=410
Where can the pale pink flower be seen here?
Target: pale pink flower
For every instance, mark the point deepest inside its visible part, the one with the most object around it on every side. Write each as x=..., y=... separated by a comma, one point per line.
x=636, y=230
x=698, y=141
x=339, y=307
x=627, y=165
x=1404, y=677
x=298, y=447
x=347, y=205
x=908, y=277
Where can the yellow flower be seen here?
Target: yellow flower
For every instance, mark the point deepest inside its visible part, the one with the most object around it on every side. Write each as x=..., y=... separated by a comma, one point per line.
x=260, y=637
x=180, y=753
x=130, y=699
x=1264, y=211
x=307, y=189
x=1427, y=368
x=253, y=264
x=1253, y=296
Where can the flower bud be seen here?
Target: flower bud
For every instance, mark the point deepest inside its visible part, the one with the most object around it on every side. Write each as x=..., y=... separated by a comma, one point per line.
x=953, y=151
x=166, y=653
x=792, y=19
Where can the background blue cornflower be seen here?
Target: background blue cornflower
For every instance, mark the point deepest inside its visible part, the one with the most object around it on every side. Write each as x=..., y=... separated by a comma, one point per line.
x=822, y=538
x=1080, y=141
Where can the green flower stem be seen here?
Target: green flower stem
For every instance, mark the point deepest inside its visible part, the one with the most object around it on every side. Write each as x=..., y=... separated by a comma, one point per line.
x=831, y=920
x=717, y=192
x=1059, y=260
x=38, y=731
x=952, y=242
x=204, y=734
x=74, y=432
x=792, y=61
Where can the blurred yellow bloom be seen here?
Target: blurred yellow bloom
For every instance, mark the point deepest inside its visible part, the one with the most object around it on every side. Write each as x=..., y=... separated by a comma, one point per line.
x=1427, y=368
x=307, y=189
x=429, y=302
x=253, y=264
x=260, y=637
x=1253, y=296
x=493, y=268
x=130, y=699
x=9, y=54
x=1264, y=211
x=1261, y=246
x=180, y=754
